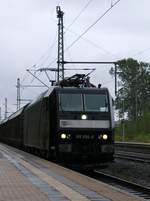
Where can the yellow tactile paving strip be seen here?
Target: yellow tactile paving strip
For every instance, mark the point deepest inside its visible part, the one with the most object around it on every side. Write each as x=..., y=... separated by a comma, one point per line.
x=15, y=187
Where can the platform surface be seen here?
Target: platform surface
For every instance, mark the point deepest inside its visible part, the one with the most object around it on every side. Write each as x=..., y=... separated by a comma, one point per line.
x=24, y=177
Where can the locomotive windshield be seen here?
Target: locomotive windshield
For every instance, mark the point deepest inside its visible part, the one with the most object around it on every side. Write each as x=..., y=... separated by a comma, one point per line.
x=70, y=102
x=95, y=103
x=83, y=102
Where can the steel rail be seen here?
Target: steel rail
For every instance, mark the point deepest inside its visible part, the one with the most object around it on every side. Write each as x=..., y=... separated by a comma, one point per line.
x=128, y=186
x=133, y=151
x=137, y=147
x=138, y=157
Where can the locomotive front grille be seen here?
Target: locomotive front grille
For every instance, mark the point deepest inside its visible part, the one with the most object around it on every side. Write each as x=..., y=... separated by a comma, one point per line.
x=86, y=148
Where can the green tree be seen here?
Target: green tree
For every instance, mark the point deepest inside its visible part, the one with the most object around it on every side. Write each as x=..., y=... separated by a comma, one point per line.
x=134, y=88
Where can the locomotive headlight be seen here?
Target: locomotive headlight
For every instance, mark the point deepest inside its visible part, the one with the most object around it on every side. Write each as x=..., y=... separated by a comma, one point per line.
x=105, y=136
x=83, y=116
x=63, y=136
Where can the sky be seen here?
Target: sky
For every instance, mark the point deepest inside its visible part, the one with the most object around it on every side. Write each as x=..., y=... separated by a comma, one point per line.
x=28, y=40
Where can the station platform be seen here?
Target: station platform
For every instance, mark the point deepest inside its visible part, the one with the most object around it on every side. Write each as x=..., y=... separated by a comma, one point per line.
x=24, y=177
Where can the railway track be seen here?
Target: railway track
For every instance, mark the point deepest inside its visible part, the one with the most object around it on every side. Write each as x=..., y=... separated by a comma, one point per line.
x=137, y=152
x=133, y=151
x=130, y=187
x=138, y=157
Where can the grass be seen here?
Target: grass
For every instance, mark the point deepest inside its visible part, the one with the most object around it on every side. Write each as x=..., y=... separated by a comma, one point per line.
x=135, y=131
x=143, y=138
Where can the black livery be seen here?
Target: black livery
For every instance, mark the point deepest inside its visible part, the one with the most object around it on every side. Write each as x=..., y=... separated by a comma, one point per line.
x=73, y=125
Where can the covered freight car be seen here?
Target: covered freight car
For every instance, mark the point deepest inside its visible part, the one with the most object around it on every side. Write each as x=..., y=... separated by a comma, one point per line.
x=11, y=129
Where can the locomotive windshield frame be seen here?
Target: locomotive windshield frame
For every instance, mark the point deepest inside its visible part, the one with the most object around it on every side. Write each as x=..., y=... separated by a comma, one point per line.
x=81, y=100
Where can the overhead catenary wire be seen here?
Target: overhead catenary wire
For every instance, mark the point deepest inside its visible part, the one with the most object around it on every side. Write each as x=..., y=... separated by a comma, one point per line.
x=82, y=10
x=75, y=19
x=42, y=58
x=93, y=24
x=92, y=43
x=48, y=50
x=141, y=52
x=96, y=45
x=38, y=65
x=81, y=35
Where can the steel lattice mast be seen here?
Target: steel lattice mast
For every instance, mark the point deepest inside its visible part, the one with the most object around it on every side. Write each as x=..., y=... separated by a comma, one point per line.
x=60, y=61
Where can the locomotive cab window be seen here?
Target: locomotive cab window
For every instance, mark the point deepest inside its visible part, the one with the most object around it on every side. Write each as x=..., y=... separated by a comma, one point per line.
x=83, y=102
x=95, y=103
x=70, y=102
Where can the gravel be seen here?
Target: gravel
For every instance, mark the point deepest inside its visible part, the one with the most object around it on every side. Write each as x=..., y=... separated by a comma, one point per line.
x=138, y=173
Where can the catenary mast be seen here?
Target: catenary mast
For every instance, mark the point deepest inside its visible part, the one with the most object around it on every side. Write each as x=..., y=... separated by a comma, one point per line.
x=60, y=61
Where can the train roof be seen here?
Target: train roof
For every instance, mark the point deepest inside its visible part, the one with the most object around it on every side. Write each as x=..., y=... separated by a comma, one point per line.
x=48, y=92
x=57, y=88
x=81, y=89
x=14, y=115
x=4, y=120
x=17, y=113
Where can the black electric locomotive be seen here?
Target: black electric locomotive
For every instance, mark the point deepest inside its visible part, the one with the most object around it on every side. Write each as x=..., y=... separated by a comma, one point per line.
x=72, y=122
x=73, y=125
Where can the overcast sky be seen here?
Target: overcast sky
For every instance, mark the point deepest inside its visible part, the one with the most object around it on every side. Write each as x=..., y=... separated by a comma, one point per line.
x=28, y=37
